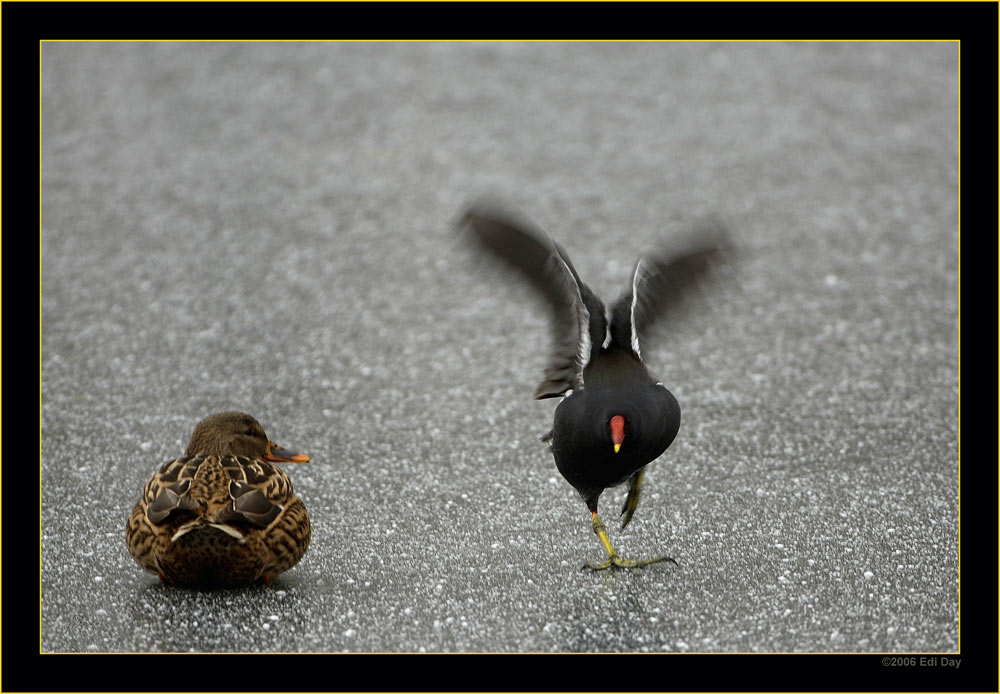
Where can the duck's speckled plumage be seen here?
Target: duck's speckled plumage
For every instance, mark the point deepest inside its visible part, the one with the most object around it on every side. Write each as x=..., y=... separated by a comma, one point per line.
x=221, y=515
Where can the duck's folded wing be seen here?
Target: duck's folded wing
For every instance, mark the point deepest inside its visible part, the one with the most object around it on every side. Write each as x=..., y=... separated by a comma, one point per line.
x=259, y=491
x=167, y=490
x=578, y=321
x=662, y=279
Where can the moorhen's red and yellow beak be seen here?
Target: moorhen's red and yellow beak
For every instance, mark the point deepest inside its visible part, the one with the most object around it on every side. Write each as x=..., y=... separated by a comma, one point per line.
x=277, y=454
x=617, y=431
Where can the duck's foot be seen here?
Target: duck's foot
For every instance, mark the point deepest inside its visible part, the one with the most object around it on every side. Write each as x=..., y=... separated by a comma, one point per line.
x=615, y=561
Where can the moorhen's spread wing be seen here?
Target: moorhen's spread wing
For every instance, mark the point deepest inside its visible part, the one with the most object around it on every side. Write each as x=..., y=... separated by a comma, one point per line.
x=579, y=323
x=660, y=282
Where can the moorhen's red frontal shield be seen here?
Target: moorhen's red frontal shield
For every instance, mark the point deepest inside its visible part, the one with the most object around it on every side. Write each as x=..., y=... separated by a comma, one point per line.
x=617, y=425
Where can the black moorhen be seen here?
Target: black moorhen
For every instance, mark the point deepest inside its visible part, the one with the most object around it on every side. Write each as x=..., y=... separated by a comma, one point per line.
x=614, y=417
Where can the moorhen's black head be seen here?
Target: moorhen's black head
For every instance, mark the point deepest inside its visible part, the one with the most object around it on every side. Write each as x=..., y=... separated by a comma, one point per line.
x=237, y=433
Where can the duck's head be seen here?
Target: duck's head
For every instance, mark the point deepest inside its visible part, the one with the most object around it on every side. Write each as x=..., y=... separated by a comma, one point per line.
x=236, y=433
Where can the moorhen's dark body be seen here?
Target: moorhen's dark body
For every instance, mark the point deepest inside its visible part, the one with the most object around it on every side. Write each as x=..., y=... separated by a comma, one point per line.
x=614, y=417
x=582, y=438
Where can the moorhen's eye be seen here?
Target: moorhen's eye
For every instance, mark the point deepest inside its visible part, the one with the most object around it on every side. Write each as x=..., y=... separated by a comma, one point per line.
x=249, y=432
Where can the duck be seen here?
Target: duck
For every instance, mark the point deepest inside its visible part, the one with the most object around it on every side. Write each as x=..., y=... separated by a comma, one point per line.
x=614, y=417
x=222, y=515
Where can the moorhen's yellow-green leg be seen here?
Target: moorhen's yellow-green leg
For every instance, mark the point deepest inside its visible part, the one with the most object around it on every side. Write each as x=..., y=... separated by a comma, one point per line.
x=632, y=500
x=613, y=559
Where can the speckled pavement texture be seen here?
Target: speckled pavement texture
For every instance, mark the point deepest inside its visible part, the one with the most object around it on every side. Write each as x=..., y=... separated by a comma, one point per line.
x=267, y=227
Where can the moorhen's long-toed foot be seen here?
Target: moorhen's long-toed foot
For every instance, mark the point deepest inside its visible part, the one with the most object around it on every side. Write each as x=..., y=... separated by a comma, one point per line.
x=613, y=559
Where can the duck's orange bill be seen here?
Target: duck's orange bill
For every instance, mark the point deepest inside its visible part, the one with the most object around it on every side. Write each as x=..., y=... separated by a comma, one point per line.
x=617, y=431
x=277, y=454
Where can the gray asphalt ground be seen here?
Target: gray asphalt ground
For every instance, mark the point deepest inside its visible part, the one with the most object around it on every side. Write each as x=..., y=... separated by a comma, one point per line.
x=266, y=227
